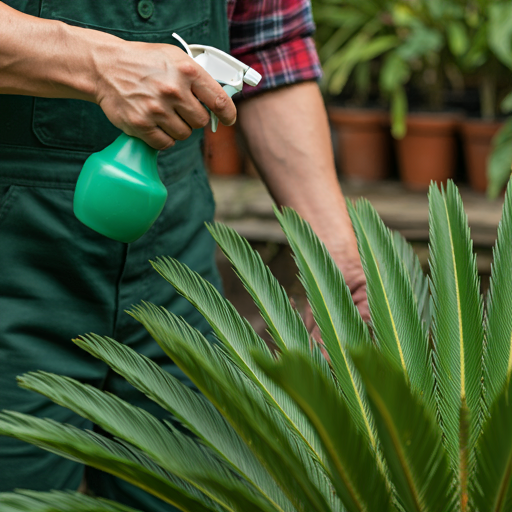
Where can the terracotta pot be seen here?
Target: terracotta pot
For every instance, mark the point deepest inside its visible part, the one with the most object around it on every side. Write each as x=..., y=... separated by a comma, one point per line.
x=363, y=142
x=221, y=152
x=477, y=135
x=428, y=151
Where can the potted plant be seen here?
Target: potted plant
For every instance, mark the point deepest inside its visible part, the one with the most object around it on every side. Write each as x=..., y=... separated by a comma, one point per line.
x=412, y=415
x=481, y=39
x=350, y=36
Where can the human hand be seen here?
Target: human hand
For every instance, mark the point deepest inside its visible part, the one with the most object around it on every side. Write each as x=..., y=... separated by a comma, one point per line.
x=154, y=92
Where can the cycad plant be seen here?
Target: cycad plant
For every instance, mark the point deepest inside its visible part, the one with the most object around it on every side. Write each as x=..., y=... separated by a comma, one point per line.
x=410, y=415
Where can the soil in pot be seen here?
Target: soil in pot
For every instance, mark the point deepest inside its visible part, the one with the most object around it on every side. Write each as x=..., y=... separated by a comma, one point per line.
x=428, y=151
x=222, y=154
x=362, y=142
x=477, y=136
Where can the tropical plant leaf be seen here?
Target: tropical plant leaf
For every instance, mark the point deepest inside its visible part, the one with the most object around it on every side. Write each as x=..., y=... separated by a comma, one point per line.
x=419, y=281
x=395, y=317
x=55, y=501
x=354, y=467
x=498, y=353
x=284, y=322
x=261, y=424
x=410, y=437
x=192, y=409
x=99, y=452
x=337, y=317
x=167, y=446
x=238, y=338
x=457, y=327
x=492, y=483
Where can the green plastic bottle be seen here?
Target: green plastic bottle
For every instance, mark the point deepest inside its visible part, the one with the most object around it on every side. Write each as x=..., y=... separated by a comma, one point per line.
x=119, y=192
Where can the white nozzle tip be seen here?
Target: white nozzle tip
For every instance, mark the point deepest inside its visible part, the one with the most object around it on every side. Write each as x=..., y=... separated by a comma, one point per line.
x=252, y=77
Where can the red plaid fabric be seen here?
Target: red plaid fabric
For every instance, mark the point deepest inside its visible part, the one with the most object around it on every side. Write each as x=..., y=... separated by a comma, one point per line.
x=275, y=38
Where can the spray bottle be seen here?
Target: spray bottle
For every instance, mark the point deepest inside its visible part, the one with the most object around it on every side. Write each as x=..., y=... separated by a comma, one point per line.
x=119, y=192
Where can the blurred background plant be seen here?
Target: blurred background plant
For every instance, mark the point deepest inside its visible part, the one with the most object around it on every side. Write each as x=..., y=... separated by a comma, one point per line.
x=425, y=55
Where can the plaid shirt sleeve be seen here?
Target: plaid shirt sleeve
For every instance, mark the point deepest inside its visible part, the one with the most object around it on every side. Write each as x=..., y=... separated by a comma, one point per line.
x=275, y=38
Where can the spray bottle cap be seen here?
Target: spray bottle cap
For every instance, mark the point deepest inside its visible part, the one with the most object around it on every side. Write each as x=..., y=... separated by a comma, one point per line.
x=222, y=67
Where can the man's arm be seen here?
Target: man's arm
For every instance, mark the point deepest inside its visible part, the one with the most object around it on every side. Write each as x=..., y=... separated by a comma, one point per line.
x=288, y=136
x=151, y=91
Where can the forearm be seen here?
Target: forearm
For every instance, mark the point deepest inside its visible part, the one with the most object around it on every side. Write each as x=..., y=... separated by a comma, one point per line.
x=40, y=57
x=287, y=134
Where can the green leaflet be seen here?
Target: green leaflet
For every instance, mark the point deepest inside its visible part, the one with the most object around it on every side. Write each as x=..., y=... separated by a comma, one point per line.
x=395, y=317
x=458, y=319
x=192, y=410
x=492, y=483
x=65, y=501
x=169, y=448
x=285, y=323
x=337, y=317
x=102, y=453
x=410, y=436
x=354, y=467
x=237, y=337
x=419, y=281
x=262, y=426
x=498, y=354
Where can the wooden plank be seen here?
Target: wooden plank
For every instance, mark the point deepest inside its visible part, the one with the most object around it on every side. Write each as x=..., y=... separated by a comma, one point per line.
x=245, y=204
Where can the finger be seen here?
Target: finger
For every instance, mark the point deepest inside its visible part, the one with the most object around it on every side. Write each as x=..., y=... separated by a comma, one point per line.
x=174, y=126
x=154, y=137
x=208, y=91
x=193, y=113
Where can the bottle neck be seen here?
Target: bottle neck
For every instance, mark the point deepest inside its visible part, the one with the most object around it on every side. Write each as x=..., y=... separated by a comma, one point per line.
x=135, y=154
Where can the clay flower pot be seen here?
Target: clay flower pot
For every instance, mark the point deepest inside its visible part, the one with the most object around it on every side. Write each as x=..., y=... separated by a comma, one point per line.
x=221, y=152
x=363, y=142
x=477, y=136
x=428, y=151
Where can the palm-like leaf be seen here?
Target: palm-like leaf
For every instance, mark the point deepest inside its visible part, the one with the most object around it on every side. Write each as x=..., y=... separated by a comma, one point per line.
x=260, y=423
x=192, y=409
x=238, y=338
x=30, y=501
x=419, y=281
x=353, y=465
x=394, y=309
x=326, y=291
x=411, y=439
x=458, y=328
x=498, y=356
x=284, y=322
x=101, y=453
x=287, y=432
x=166, y=445
x=492, y=482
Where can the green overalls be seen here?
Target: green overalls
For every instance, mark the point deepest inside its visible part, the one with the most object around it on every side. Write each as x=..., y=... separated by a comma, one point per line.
x=58, y=278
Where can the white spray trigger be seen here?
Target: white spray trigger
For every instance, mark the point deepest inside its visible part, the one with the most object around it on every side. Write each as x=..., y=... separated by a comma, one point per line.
x=225, y=69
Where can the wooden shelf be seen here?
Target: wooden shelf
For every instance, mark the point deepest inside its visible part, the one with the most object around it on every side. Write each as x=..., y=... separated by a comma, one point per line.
x=244, y=204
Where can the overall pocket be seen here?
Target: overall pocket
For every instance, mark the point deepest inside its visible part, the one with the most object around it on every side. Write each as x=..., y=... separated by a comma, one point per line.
x=80, y=125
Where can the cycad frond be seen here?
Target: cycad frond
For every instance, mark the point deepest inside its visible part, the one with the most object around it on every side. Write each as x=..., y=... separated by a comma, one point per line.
x=410, y=436
x=238, y=338
x=284, y=322
x=167, y=446
x=107, y=455
x=327, y=292
x=394, y=310
x=64, y=501
x=492, y=483
x=262, y=425
x=458, y=326
x=192, y=409
x=354, y=467
x=419, y=281
x=498, y=354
